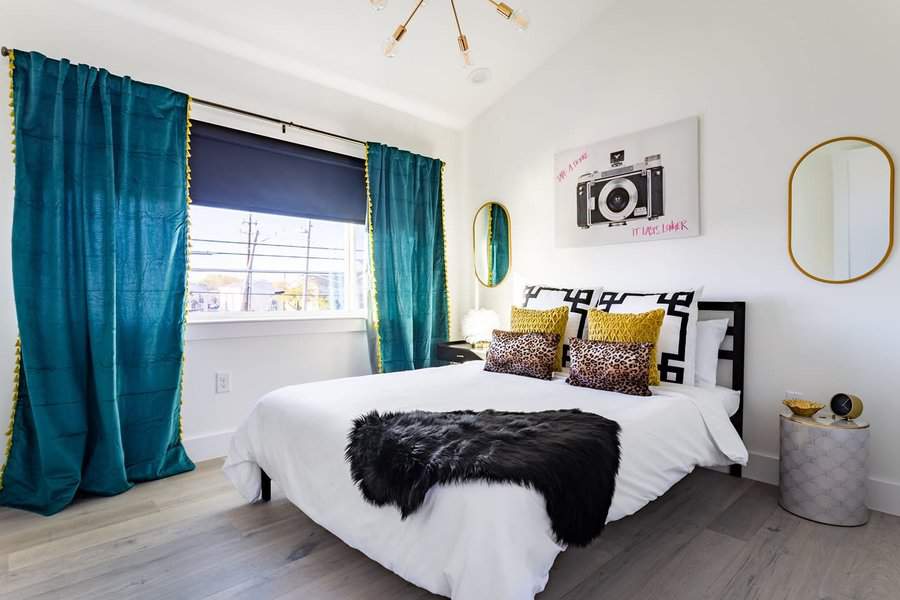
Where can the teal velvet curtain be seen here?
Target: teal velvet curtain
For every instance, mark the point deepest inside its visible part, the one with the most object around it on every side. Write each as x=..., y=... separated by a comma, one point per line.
x=406, y=229
x=498, y=245
x=99, y=245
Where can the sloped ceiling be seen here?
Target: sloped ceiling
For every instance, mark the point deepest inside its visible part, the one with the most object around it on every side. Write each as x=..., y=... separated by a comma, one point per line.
x=338, y=43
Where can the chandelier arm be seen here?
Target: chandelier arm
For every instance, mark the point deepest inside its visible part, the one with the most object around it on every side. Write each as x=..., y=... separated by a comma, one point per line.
x=504, y=9
x=462, y=39
x=401, y=31
x=413, y=13
x=456, y=17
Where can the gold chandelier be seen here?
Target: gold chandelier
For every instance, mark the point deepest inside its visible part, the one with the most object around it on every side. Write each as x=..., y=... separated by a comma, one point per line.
x=516, y=17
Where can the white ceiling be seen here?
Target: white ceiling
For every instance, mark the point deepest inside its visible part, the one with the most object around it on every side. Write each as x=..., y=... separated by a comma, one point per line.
x=338, y=43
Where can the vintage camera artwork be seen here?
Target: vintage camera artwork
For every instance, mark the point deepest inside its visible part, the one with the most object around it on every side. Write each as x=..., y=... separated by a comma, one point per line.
x=621, y=194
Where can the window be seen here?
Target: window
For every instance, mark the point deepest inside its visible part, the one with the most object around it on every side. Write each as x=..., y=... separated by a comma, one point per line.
x=260, y=264
x=277, y=227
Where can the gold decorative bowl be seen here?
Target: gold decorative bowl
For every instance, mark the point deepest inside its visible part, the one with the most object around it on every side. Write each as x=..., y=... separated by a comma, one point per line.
x=803, y=408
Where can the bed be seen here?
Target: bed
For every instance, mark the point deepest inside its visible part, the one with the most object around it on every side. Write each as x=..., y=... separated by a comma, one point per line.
x=476, y=540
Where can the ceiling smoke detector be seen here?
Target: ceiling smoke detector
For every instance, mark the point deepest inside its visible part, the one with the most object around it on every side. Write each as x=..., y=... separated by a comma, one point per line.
x=480, y=75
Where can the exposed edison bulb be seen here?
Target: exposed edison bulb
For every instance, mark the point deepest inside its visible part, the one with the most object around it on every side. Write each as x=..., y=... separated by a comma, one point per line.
x=378, y=5
x=520, y=20
x=465, y=51
x=390, y=47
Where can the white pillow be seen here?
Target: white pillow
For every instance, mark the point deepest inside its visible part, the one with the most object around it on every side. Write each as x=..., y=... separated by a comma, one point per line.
x=579, y=301
x=676, y=352
x=710, y=335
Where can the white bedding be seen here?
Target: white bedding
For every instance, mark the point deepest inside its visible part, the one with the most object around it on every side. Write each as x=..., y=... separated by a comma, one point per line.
x=731, y=399
x=468, y=541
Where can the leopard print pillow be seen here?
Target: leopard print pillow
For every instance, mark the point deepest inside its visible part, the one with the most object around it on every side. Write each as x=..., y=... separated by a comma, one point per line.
x=528, y=354
x=622, y=367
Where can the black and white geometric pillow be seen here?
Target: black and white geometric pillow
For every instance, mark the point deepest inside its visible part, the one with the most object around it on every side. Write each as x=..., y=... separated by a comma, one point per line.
x=677, y=339
x=579, y=300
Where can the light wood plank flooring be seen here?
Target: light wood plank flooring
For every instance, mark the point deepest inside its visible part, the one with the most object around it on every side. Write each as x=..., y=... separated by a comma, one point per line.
x=192, y=537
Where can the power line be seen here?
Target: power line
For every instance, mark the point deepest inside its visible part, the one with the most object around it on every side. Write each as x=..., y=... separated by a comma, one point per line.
x=267, y=244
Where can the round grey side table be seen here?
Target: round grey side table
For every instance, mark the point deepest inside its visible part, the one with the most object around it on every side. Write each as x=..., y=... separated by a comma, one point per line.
x=823, y=469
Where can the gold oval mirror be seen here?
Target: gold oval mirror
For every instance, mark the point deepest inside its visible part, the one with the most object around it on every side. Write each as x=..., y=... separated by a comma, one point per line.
x=491, y=243
x=841, y=210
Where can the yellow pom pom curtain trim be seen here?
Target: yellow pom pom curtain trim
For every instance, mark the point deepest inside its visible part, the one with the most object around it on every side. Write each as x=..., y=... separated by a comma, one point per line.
x=187, y=260
x=373, y=280
x=12, y=411
x=446, y=267
x=12, y=103
x=18, y=364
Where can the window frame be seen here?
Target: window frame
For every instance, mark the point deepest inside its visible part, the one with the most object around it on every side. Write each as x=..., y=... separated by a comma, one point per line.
x=208, y=326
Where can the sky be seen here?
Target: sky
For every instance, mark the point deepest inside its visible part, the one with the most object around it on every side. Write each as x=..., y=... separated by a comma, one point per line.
x=326, y=237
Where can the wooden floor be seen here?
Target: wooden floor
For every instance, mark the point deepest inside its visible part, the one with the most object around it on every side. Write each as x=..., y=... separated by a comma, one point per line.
x=191, y=536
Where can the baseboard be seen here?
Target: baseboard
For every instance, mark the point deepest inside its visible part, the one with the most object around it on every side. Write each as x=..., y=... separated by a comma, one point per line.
x=883, y=495
x=762, y=467
x=207, y=446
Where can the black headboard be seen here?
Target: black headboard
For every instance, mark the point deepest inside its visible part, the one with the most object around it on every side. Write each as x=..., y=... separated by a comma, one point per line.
x=737, y=331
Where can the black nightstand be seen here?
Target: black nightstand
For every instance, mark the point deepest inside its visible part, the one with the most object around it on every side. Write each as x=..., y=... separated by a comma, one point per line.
x=459, y=351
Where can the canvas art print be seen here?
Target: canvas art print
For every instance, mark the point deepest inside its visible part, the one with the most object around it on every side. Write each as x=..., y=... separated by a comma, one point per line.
x=639, y=187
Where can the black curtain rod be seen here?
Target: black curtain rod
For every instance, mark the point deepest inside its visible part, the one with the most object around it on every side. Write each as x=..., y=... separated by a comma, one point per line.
x=281, y=122
x=284, y=124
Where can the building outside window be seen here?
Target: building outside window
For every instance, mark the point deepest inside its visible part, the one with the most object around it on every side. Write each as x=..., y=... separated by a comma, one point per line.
x=260, y=264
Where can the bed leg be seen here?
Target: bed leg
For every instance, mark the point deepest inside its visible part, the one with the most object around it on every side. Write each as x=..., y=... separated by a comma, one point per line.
x=266, y=485
x=735, y=470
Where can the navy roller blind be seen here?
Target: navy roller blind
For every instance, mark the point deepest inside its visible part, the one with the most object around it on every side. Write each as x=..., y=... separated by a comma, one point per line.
x=244, y=171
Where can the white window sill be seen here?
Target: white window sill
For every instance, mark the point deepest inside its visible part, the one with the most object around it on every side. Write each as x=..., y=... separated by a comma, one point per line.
x=245, y=326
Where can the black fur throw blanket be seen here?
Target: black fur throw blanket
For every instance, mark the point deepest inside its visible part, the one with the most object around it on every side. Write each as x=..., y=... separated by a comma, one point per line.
x=570, y=457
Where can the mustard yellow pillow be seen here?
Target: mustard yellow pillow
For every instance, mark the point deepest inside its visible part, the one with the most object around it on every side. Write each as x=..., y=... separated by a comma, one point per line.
x=554, y=320
x=627, y=327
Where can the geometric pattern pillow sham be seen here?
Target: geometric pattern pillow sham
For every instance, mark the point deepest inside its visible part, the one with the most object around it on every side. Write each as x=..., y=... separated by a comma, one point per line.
x=578, y=300
x=676, y=349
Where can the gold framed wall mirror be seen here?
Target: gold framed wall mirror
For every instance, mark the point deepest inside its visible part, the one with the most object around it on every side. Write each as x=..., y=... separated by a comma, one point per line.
x=491, y=243
x=841, y=210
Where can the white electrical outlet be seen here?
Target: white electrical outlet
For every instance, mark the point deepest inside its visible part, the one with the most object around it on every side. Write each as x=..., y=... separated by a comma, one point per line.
x=223, y=382
x=789, y=395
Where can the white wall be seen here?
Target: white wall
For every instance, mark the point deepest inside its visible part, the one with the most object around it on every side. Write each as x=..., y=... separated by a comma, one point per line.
x=768, y=79
x=260, y=356
x=257, y=363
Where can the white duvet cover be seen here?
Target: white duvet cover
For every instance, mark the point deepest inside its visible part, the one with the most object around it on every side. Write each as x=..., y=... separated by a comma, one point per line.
x=472, y=541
